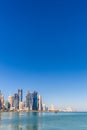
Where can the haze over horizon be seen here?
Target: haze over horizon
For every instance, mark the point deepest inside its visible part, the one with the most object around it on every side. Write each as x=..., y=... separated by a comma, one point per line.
x=43, y=47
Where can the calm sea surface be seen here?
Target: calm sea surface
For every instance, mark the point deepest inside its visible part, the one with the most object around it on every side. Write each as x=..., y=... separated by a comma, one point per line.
x=43, y=121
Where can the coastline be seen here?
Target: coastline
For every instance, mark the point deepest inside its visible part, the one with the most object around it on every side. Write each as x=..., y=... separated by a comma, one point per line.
x=55, y=111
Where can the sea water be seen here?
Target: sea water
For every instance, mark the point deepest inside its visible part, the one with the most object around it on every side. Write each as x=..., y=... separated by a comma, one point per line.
x=43, y=121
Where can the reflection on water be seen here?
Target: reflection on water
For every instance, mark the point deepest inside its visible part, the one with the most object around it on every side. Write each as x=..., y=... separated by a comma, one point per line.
x=20, y=121
x=43, y=121
x=0, y=116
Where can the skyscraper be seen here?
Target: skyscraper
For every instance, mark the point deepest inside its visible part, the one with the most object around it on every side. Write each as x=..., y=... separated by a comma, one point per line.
x=20, y=94
x=16, y=101
x=29, y=100
x=39, y=103
x=35, y=100
x=1, y=100
x=21, y=105
x=10, y=100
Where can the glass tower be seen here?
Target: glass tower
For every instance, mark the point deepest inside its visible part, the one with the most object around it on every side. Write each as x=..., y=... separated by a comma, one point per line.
x=20, y=94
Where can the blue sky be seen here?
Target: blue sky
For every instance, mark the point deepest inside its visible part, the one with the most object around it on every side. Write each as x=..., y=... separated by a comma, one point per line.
x=43, y=47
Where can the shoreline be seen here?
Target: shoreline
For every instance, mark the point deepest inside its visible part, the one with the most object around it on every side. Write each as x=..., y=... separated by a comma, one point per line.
x=55, y=111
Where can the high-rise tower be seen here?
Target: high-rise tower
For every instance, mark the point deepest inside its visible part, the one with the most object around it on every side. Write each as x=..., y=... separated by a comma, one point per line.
x=39, y=103
x=35, y=100
x=16, y=101
x=29, y=100
x=10, y=100
x=20, y=94
x=1, y=100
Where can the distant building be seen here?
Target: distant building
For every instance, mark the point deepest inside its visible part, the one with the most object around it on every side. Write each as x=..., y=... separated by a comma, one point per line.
x=10, y=100
x=16, y=101
x=51, y=108
x=21, y=105
x=7, y=105
x=44, y=107
x=29, y=100
x=1, y=100
x=20, y=94
x=39, y=103
x=68, y=109
x=35, y=100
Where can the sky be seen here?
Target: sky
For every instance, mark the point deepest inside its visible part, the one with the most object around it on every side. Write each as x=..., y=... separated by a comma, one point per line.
x=43, y=47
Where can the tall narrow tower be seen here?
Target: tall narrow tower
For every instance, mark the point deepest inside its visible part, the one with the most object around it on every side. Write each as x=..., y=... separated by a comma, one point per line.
x=29, y=100
x=1, y=100
x=39, y=103
x=20, y=94
x=16, y=101
x=35, y=100
x=10, y=100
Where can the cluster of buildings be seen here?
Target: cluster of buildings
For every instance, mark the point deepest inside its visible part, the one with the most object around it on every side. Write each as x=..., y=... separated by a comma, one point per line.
x=33, y=101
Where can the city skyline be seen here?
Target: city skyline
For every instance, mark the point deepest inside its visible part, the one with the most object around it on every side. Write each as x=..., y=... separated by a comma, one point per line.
x=32, y=101
x=43, y=47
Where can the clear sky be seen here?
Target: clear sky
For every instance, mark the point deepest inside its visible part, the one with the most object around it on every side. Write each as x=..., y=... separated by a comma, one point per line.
x=43, y=47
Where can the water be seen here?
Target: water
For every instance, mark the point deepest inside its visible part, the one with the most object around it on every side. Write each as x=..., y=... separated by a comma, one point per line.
x=43, y=121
